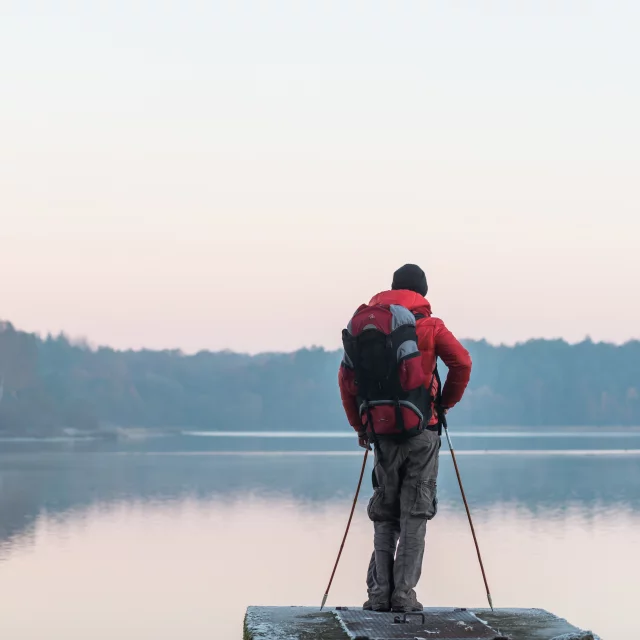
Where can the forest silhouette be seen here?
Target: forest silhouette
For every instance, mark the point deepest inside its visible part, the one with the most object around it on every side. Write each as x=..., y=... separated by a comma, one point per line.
x=49, y=385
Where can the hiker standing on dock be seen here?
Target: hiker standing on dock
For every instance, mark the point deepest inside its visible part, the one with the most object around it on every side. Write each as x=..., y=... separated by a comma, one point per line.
x=391, y=394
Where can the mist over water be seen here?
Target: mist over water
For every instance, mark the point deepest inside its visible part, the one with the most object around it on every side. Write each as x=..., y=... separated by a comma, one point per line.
x=146, y=540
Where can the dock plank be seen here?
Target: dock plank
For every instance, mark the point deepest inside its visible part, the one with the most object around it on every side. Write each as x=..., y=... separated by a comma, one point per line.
x=309, y=623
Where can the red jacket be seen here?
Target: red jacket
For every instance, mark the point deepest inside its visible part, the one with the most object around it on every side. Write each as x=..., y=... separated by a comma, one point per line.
x=434, y=341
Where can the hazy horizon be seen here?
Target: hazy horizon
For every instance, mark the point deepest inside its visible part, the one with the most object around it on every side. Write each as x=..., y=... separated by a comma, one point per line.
x=86, y=342
x=243, y=176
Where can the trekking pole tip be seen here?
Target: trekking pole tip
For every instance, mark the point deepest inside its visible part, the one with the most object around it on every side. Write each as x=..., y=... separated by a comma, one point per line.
x=490, y=601
x=324, y=601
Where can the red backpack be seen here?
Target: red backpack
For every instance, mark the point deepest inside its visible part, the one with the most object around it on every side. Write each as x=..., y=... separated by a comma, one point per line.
x=382, y=360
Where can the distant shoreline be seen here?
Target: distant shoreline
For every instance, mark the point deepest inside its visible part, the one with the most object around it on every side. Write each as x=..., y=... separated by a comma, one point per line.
x=499, y=432
x=141, y=434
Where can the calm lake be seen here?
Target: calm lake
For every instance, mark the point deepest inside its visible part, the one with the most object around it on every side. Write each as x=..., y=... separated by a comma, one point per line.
x=173, y=537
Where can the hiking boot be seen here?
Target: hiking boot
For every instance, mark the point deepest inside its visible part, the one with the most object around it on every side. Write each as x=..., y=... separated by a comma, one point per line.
x=409, y=604
x=370, y=605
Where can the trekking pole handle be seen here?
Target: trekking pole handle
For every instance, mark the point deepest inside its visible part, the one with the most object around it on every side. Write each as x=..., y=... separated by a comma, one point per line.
x=442, y=417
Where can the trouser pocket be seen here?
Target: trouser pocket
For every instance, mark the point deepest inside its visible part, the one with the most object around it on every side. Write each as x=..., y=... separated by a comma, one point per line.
x=426, y=502
x=375, y=510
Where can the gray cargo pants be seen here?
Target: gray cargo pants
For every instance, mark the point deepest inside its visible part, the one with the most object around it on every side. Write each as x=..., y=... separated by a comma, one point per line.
x=404, y=498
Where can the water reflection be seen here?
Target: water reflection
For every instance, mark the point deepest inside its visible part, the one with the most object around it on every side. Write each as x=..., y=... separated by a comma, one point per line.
x=105, y=545
x=58, y=482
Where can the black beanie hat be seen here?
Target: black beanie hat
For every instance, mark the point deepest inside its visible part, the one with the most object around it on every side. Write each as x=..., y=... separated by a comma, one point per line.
x=411, y=277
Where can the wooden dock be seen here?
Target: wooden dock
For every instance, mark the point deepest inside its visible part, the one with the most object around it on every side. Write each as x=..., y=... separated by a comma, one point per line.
x=352, y=623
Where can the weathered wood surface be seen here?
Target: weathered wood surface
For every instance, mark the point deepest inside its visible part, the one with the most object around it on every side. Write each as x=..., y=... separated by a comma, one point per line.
x=292, y=623
x=308, y=623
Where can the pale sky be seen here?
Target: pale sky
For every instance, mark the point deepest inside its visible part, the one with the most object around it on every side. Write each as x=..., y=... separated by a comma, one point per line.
x=207, y=175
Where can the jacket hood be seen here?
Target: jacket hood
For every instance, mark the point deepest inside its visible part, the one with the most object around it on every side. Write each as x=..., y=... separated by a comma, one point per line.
x=405, y=298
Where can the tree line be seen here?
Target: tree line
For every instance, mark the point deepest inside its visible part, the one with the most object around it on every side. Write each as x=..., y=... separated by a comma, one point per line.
x=49, y=385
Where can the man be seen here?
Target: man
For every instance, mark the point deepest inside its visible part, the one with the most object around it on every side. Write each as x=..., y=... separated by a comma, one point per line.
x=406, y=468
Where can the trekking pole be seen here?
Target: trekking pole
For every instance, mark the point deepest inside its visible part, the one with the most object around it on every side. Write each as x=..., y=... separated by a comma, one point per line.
x=466, y=506
x=353, y=508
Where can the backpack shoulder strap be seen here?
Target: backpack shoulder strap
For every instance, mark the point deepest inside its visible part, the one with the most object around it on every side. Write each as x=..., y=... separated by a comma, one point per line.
x=438, y=399
x=436, y=374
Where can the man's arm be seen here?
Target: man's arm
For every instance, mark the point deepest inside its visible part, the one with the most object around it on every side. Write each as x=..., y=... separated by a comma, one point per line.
x=458, y=361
